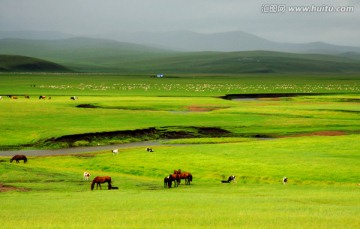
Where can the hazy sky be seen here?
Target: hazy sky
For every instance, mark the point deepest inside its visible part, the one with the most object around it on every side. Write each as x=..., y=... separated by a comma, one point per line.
x=269, y=19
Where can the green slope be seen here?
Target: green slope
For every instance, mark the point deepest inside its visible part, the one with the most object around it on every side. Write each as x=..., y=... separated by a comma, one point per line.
x=250, y=62
x=11, y=63
x=98, y=55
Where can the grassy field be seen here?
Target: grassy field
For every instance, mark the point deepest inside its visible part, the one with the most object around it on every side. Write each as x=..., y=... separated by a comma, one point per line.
x=322, y=191
x=137, y=102
x=313, y=140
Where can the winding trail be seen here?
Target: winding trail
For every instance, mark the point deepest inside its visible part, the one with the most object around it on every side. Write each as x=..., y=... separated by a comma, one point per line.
x=77, y=150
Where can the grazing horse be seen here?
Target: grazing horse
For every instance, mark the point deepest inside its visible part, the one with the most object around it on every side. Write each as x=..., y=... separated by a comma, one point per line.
x=98, y=180
x=167, y=182
x=115, y=151
x=285, y=180
x=149, y=150
x=171, y=178
x=42, y=97
x=86, y=176
x=184, y=175
x=18, y=158
x=73, y=97
x=175, y=178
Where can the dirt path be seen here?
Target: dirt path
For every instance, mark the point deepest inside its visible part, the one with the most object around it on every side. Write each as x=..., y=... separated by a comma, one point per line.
x=76, y=150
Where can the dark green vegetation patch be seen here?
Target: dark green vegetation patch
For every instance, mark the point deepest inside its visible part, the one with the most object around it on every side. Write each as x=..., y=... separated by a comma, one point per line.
x=9, y=63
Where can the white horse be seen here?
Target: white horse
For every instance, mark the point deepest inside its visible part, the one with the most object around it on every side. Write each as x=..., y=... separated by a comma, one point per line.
x=115, y=151
x=86, y=176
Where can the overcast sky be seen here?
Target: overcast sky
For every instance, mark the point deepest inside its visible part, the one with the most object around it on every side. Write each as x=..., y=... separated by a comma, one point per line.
x=259, y=17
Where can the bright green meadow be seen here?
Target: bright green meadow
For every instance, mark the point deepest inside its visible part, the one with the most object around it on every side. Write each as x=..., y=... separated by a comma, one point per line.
x=313, y=139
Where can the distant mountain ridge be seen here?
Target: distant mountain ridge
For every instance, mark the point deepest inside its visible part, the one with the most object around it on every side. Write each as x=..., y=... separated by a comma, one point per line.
x=226, y=42
x=35, y=35
x=102, y=55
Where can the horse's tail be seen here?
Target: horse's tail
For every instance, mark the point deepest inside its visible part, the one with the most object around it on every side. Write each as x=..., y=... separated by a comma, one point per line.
x=92, y=185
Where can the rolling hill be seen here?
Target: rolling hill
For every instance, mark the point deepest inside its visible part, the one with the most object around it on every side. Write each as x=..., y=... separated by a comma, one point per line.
x=189, y=41
x=11, y=63
x=101, y=55
x=231, y=41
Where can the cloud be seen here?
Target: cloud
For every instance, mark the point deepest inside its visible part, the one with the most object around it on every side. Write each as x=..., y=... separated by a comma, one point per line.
x=107, y=16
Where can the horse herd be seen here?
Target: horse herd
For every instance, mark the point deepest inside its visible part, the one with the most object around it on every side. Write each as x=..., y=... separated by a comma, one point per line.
x=175, y=177
x=40, y=97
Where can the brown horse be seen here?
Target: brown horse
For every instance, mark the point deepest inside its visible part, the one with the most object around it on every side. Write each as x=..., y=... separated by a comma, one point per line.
x=99, y=180
x=171, y=178
x=18, y=158
x=184, y=175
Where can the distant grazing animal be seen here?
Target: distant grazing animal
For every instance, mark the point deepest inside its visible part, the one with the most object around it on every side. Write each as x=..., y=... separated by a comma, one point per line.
x=27, y=97
x=73, y=97
x=285, y=180
x=14, y=97
x=99, y=180
x=230, y=179
x=166, y=182
x=42, y=97
x=174, y=178
x=184, y=175
x=149, y=150
x=18, y=158
x=115, y=151
x=86, y=175
x=171, y=178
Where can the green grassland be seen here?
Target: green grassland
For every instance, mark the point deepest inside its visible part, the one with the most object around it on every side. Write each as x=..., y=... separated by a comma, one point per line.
x=138, y=102
x=311, y=139
x=322, y=191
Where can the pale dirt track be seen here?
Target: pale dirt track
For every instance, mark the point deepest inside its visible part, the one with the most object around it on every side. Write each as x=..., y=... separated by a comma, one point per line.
x=78, y=150
x=92, y=149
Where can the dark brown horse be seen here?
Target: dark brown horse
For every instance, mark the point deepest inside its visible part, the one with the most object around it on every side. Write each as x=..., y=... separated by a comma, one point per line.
x=167, y=182
x=98, y=180
x=171, y=178
x=18, y=158
x=184, y=175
